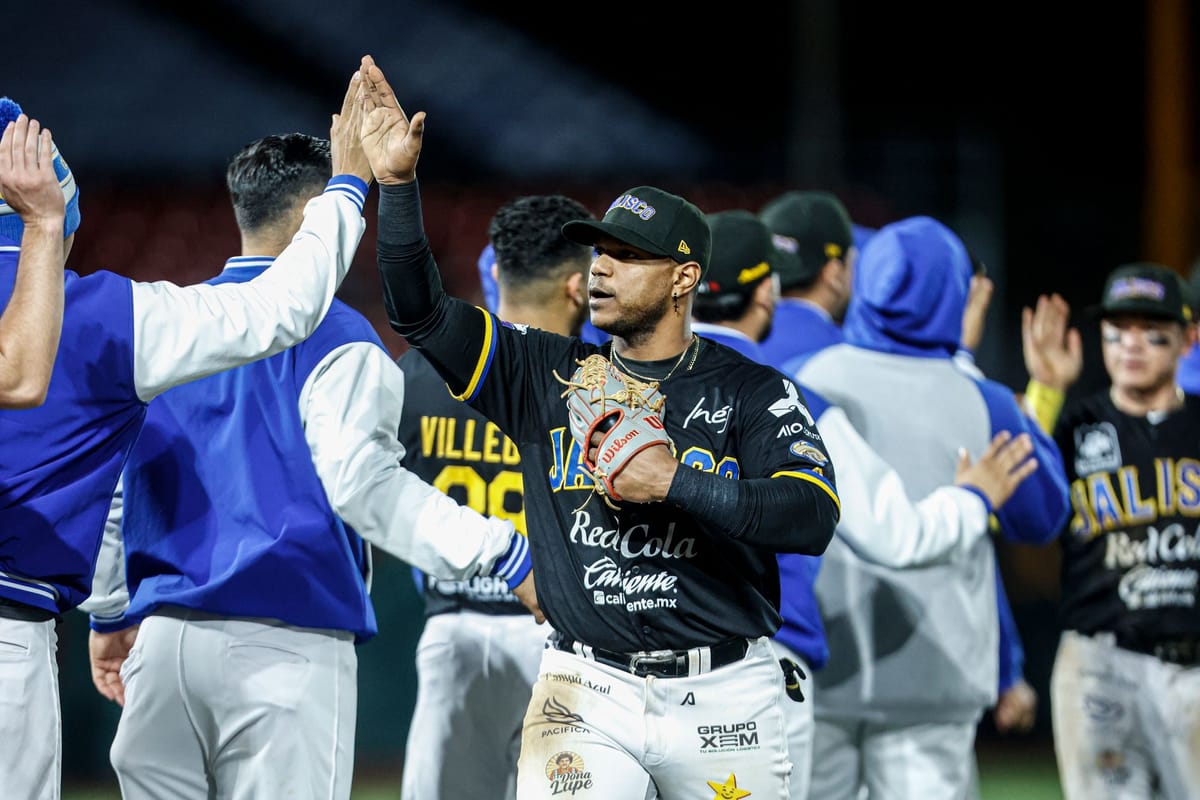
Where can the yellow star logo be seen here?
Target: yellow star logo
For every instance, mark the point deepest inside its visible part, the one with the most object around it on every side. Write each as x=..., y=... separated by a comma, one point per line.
x=728, y=790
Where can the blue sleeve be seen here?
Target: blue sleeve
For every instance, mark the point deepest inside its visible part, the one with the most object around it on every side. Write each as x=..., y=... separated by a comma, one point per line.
x=1037, y=511
x=1012, y=654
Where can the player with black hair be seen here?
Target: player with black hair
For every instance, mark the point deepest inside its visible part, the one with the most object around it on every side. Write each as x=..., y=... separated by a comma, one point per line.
x=248, y=508
x=124, y=343
x=657, y=571
x=478, y=657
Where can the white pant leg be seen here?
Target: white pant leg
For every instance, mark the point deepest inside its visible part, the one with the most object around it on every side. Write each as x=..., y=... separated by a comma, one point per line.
x=30, y=712
x=801, y=727
x=475, y=673
x=723, y=728
x=584, y=732
x=931, y=761
x=1174, y=715
x=1097, y=740
x=836, y=760
x=157, y=751
x=271, y=708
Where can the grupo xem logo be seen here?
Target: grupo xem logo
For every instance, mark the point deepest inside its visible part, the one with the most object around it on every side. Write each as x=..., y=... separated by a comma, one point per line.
x=727, y=736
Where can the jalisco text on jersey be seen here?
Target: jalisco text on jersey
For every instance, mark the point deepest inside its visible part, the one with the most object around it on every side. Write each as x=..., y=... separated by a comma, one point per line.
x=1100, y=506
x=568, y=472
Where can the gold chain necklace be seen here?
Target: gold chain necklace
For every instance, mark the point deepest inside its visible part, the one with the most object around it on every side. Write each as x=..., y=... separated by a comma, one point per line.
x=695, y=352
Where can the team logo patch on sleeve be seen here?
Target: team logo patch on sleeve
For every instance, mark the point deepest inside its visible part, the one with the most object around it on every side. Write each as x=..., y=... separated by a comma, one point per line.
x=807, y=451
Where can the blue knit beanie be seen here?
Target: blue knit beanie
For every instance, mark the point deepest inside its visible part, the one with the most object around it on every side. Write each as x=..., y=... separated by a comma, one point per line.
x=11, y=226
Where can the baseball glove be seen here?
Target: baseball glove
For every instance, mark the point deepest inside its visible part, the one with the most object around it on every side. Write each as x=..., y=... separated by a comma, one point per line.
x=625, y=410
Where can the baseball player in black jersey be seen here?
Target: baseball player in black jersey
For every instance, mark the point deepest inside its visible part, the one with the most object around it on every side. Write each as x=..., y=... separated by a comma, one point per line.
x=1125, y=693
x=661, y=680
x=478, y=656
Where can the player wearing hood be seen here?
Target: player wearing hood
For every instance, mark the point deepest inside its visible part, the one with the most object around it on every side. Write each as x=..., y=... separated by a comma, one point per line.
x=904, y=675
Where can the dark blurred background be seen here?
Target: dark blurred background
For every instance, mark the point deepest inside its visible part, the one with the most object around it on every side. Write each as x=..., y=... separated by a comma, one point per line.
x=1056, y=139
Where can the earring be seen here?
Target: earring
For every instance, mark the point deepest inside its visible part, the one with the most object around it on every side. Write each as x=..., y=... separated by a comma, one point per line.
x=675, y=301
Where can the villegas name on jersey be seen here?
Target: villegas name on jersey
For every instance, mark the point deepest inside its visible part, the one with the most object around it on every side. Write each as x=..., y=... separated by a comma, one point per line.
x=441, y=437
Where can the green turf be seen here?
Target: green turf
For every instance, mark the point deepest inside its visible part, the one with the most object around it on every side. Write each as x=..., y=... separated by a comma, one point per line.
x=1011, y=783
x=1025, y=774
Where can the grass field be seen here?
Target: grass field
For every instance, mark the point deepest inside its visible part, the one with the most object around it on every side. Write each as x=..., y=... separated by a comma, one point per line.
x=1007, y=775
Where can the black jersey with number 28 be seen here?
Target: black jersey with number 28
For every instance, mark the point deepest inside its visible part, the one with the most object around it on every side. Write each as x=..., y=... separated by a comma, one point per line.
x=645, y=576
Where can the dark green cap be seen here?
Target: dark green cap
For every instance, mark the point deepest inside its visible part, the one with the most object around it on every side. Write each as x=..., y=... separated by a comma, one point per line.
x=742, y=254
x=814, y=227
x=650, y=219
x=1150, y=290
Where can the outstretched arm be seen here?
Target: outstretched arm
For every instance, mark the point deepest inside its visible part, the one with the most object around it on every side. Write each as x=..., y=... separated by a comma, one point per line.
x=32, y=321
x=350, y=407
x=185, y=333
x=881, y=524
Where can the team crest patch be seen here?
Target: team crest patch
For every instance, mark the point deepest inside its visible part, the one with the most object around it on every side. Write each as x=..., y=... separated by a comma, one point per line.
x=1096, y=449
x=567, y=773
x=728, y=790
x=807, y=451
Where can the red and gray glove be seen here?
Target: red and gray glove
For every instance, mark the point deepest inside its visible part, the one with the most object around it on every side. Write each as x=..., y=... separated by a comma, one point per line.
x=625, y=410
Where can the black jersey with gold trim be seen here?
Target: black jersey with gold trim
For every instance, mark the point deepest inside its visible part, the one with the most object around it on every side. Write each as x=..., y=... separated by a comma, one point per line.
x=648, y=576
x=1131, y=551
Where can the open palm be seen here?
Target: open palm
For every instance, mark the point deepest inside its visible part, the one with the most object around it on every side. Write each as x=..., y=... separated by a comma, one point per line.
x=391, y=141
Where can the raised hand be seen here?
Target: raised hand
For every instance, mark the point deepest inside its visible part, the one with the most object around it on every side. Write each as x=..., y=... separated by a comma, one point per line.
x=345, y=144
x=979, y=297
x=390, y=139
x=27, y=179
x=1001, y=468
x=107, y=652
x=1053, y=352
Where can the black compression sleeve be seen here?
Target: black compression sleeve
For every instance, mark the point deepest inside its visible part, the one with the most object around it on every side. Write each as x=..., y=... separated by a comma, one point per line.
x=412, y=287
x=785, y=515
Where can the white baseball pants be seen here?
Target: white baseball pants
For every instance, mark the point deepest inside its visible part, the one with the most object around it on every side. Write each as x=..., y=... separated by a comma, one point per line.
x=238, y=709
x=598, y=731
x=475, y=673
x=30, y=714
x=1126, y=725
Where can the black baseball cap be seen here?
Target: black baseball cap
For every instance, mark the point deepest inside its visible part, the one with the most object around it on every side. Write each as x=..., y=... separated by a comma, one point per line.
x=743, y=254
x=1147, y=289
x=814, y=227
x=650, y=219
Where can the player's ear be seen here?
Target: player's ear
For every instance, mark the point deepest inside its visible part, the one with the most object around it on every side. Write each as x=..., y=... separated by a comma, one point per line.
x=687, y=276
x=573, y=288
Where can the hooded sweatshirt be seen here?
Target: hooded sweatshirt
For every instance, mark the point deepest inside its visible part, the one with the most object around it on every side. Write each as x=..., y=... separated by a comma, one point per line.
x=904, y=645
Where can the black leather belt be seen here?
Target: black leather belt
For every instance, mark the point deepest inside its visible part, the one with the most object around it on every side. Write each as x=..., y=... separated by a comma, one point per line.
x=661, y=663
x=11, y=609
x=1184, y=651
